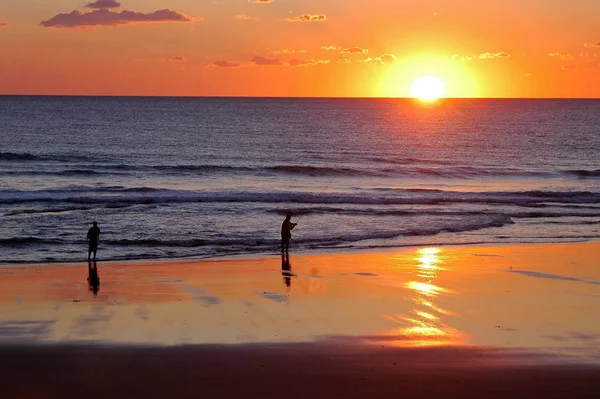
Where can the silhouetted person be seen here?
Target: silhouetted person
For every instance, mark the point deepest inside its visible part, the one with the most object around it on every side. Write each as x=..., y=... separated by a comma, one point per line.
x=93, y=279
x=286, y=232
x=286, y=270
x=93, y=237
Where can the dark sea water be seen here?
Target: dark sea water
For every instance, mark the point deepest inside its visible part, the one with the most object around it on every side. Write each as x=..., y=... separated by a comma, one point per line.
x=202, y=177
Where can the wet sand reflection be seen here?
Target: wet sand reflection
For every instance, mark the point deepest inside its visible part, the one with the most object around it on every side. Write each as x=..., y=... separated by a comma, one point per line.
x=424, y=325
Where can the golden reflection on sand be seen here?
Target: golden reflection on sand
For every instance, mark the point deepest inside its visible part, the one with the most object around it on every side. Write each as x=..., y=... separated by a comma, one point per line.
x=425, y=326
x=538, y=296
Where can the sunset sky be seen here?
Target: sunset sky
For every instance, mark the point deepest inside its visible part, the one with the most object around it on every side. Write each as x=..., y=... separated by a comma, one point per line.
x=347, y=48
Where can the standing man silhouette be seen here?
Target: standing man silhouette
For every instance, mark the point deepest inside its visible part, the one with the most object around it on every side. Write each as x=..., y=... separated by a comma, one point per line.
x=286, y=232
x=93, y=237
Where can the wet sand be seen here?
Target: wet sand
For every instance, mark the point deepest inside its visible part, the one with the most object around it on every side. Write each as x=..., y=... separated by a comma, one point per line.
x=416, y=322
x=285, y=370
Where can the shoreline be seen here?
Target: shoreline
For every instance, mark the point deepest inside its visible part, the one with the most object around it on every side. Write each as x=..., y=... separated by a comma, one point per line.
x=303, y=253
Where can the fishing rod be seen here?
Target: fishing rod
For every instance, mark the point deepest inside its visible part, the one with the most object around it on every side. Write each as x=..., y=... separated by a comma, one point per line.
x=316, y=198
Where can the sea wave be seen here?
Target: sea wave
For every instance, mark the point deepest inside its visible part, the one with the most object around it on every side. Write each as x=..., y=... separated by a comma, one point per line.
x=14, y=156
x=19, y=241
x=150, y=195
x=27, y=156
x=559, y=213
x=68, y=172
x=582, y=173
x=80, y=165
x=448, y=226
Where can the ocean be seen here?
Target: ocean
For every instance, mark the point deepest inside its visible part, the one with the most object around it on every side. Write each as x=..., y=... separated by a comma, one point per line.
x=212, y=177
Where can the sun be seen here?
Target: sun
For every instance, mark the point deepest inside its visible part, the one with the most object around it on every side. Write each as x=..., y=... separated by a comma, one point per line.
x=427, y=88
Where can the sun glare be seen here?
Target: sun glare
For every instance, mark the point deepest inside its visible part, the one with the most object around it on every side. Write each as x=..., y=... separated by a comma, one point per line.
x=427, y=88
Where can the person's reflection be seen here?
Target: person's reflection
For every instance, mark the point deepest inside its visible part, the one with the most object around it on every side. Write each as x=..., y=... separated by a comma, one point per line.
x=93, y=279
x=286, y=269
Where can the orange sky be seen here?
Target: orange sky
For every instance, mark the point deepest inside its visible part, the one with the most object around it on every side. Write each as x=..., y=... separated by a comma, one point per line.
x=356, y=48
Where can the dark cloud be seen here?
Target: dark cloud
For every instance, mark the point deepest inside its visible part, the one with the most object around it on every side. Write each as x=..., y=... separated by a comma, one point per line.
x=597, y=44
x=260, y=1
x=103, y=4
x=258, y=60
x=177, y=58
x=105, y=17
x=308, y=18
x=3, y=25
x=223, y=64
x=355, y=50
x=489, y=56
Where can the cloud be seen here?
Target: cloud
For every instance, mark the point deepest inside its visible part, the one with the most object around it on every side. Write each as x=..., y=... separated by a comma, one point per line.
x=344, y=61
x=105, y=17
x=177, y=58
x=260, y=1
x=355, y=50
x=258, y=60
x=381, y=60
x=385, y=59
x=289, y=51
x=296, y=62
x=330, y=48
x=3, y=25
x=243, y=17
x=457, y=57
x=286, y=51
x=222, y=64
x=597, y=44
x=564, y=55
x=489, y=56
x=584, y=54
x=308, y=18
x=103, y=4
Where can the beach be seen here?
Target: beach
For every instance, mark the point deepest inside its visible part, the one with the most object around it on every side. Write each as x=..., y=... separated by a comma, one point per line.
x=299, y=199
x=448, y=321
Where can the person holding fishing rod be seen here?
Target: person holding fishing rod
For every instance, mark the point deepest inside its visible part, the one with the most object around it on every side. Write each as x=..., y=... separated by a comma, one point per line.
x=288, y=226
x=286, y=232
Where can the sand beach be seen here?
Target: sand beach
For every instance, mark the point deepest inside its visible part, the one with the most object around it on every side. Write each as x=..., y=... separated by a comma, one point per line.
x=453, y=321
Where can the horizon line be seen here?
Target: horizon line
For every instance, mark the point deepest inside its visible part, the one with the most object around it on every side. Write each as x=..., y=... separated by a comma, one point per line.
x=294, y=97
